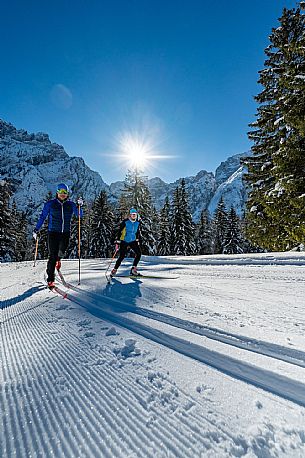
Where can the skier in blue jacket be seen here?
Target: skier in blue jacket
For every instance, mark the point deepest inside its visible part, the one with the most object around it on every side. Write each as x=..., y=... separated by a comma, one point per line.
x=59, y=211
x=129, y=235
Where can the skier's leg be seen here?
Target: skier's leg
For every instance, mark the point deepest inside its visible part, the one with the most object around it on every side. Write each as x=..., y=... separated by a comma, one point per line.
x=53, y=247
x=136, y=248
x=122, y=254
x=63, y=244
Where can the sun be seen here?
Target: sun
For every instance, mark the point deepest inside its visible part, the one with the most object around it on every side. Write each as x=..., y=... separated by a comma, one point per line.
x=139, y=150
x=135, y=150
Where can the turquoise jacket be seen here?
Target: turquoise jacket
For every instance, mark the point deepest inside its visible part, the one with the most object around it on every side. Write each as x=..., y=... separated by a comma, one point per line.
x=129, y=231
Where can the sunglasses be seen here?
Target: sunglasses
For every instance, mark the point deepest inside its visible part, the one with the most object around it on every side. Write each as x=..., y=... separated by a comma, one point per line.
x=62, y=191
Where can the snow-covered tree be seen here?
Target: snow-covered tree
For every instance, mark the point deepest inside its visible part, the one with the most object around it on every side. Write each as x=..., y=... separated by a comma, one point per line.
x=43, y=251
x=276, y=205
x=101, y=228
x=7, y=230
x=204, y=236
x=233, y=242
x=19, y=222
x=164, y=244
x=220, y=224
x=182, y=223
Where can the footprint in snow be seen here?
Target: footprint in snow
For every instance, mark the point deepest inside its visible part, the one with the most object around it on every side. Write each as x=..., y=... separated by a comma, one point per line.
x=112, y=332
x=129, y=350
x=62, y=307
x=84, y=323
x=89, y=334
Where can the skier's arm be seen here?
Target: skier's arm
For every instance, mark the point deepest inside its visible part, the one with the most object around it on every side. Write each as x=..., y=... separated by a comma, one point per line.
x=119, y=231
x=138, y=234
x=44, y=214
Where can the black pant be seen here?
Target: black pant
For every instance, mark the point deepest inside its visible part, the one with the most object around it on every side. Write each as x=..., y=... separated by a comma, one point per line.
x=57, y=244
x=123, y=251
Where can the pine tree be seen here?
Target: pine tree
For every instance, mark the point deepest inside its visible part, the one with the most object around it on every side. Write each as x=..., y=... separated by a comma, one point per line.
x=233, y=242
x=276, y=205
x=126, y=200
x=220, y=226
x=164, y=244
x=43, y=251
x=182, y=223
x=7, y=231
x=19, y=223
x=14, y=223
x=204, y=238
x=101, y=228
x=22, y=245
x=147, y=215
x=155, y=227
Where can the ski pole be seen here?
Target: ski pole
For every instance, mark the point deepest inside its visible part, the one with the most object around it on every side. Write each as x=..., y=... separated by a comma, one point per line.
x=117, y=247
x=36, y=251
x=79, y=244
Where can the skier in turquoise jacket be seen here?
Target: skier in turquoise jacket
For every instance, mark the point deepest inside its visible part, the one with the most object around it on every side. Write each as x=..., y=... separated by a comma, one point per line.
x=129, y=235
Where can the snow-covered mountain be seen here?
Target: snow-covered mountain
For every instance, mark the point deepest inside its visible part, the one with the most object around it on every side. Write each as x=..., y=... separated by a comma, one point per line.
x=200, y=189
x=233, y=192
x=34, y=166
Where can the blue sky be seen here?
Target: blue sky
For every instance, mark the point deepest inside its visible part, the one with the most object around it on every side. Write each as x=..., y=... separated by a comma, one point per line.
x=179, y=74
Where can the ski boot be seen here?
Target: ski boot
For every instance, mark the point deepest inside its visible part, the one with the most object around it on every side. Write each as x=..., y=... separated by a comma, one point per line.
x=113, y=272
x=51, y=284
x=134, y=272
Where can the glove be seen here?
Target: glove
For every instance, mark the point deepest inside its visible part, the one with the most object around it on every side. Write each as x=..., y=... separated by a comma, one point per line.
x=34, y=235
x=117, y=245
x=80, y=201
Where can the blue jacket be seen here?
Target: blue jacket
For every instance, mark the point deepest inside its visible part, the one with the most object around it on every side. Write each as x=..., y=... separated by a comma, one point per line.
x=129, y=231
x=59, y=213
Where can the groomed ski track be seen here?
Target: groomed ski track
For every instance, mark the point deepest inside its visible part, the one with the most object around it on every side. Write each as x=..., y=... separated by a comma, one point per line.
x=124, y=431
x=260, y=347
x=69, y=413
x=262, y=378
x=69, y=391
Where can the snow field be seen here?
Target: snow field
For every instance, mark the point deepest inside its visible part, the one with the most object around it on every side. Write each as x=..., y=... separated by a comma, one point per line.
x=78, y=381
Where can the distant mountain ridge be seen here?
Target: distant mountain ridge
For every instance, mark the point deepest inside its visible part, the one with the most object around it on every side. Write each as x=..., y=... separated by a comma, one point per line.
x=204, y=189
x=34, y=166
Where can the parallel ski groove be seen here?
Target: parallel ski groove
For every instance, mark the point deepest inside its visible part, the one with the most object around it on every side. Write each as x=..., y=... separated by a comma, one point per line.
x=125, y=400
x=294, y=357
x=279, y=385
x=166, y=437
x=54, y=415
x=24, y=310
x=62, y=421
x=30, y=419
x=180, y=448
x=156, y=432
x=83, y=404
